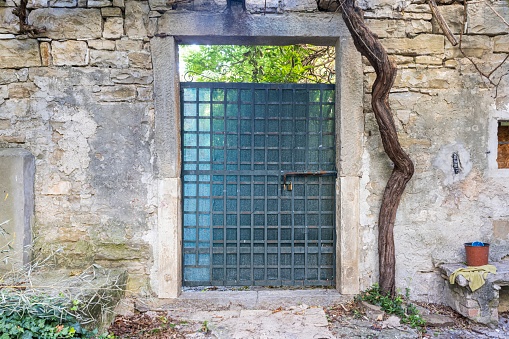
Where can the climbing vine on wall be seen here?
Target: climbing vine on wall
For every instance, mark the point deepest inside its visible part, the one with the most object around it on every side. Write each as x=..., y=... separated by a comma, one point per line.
x=24, y=28
x=370, y=47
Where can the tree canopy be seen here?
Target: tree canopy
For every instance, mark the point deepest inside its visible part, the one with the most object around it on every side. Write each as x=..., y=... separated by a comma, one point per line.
x=259, y=64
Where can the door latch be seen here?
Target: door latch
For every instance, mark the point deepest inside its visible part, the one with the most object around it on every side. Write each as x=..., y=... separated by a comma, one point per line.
x=288, y=186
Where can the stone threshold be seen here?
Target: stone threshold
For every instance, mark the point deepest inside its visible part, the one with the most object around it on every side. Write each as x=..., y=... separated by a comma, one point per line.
x=263, y=299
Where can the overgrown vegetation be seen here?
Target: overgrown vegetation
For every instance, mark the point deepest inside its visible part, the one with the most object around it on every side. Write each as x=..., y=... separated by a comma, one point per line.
x=38, y=315
x=259, y=64
x=398, y=305
x=63, y=306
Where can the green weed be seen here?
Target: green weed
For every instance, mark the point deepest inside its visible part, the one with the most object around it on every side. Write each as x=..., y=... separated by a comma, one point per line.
x=397, y=305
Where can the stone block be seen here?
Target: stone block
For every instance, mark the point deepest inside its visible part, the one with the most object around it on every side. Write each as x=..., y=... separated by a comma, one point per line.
x=297, y=5
x=21, y=90
x=401, y=60
x=64, y=23
x=453, y=16
x=102, y=44
x=16, y=206
x=154, y=14
x=37, y=4
x=387, y=28
x=63, y=3
x=8, y=21
x=69, y=53
x=113, y=28
x=119, y=3
x=45, y=48
x=19, y=53
x=428, y=60
x=438, y=320
x=7, y=36
x=424, y=44
x=117, y=93
x=144, y=94
x=22, y=74
x=7, y=76
x=451, y=63
x=158, y=5
x=4, y=93
x=389, y=13
x=129, y=45
x=113, y=59
x=99, y=3
x=140, y=59
x=414, y=27
x=473, y=312
x=473, y=46
x=111, y=12
x=13, y=139
x=136, y=19
x=417, y=8
x=501, y=44
x=435, y=78
x=70, y=76
x=483, y=20
x=130, y=76
x=373, y=312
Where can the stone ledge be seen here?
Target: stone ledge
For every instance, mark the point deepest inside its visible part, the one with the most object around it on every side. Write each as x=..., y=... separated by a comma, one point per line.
x=482, y=305
x=501, y=278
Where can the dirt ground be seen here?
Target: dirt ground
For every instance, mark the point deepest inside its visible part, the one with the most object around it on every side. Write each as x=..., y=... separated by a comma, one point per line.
x=344, y=320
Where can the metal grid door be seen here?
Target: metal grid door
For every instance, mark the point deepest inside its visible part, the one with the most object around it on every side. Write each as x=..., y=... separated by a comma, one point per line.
x=258, y=184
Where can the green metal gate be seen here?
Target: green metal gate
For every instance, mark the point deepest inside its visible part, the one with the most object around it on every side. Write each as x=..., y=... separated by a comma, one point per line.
x=258, y=184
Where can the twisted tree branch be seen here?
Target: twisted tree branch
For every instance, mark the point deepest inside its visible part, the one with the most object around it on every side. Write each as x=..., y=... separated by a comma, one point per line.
x=369, y=46
x=24, y=28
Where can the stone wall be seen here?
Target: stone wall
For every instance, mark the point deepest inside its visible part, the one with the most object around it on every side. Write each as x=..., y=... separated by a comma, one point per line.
x=80, y=98
x=441, y=106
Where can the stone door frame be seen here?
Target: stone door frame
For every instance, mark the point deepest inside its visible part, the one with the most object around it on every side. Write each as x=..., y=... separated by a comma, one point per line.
x=242, y=28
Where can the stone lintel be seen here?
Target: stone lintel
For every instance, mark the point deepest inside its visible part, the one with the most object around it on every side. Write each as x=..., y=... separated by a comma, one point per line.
x=253, y=29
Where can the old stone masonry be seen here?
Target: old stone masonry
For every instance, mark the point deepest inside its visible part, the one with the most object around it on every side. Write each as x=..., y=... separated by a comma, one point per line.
x=90, y=132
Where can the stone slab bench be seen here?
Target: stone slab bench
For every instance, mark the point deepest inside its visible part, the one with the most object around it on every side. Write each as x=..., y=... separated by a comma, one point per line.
x=482, y=305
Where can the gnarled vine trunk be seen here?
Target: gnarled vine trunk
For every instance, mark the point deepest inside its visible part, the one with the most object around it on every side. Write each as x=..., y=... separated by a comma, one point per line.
x=369, y=46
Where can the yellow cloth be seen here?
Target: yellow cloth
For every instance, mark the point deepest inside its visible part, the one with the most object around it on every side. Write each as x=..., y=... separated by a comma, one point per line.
x=474, y=274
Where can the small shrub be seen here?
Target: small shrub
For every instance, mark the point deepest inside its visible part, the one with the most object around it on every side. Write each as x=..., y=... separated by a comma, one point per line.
x=394, y=305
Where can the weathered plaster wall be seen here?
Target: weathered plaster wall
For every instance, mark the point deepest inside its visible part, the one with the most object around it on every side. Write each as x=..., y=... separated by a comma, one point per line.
x=80, y=98
x=441, y=105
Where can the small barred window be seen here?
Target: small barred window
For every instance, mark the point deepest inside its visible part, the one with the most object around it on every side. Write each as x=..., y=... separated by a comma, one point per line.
x=503, y=144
